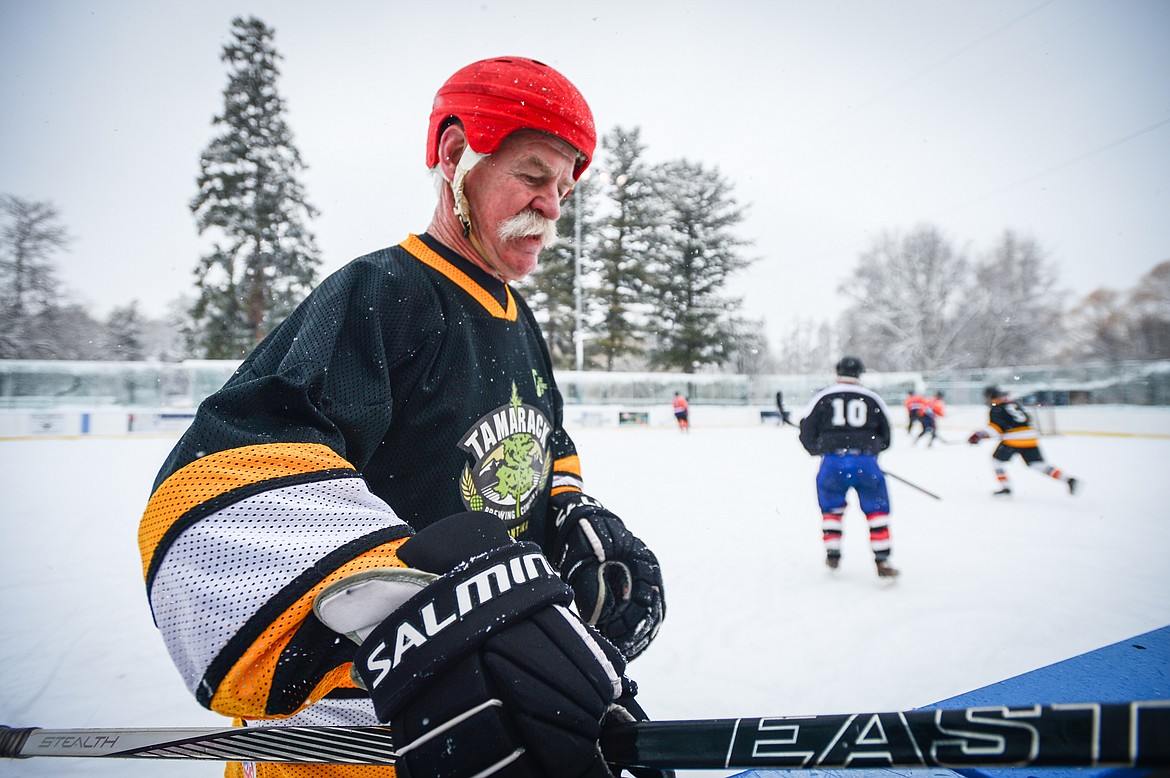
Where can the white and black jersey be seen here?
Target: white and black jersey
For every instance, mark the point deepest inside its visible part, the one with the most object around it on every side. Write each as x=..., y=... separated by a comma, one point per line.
x=845, y=417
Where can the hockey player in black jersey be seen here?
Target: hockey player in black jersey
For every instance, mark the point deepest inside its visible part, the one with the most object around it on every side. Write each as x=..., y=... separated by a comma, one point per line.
x=1009, y=422
x=847, y=426
x=389, y=468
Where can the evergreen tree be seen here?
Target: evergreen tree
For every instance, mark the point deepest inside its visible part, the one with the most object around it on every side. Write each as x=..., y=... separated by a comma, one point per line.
x=626, y=249
x=264, y=259
x=693, y=317
x=551, y=288
x=125, y=339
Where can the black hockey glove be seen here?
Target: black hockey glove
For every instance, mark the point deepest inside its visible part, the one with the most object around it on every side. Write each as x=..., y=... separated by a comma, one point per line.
x=616, y=580
x=480, y=667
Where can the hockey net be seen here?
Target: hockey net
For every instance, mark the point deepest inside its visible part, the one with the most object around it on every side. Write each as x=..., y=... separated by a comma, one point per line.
x=1043, y=418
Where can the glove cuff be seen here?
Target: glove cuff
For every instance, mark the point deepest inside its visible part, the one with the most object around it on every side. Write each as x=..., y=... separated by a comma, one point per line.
x=569, y=509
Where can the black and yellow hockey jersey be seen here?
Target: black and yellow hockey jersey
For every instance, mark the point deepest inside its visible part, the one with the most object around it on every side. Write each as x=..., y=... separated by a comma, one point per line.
x=1008, y=420
x=409, y=386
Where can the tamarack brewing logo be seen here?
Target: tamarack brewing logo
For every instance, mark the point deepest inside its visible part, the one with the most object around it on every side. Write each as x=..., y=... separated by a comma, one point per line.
x=511, y=462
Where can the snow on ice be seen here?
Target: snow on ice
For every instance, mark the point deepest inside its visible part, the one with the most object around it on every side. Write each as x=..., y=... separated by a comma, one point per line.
x=756, y=625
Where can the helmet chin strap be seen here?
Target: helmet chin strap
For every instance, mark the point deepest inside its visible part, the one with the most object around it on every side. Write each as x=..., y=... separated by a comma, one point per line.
x=467, y=160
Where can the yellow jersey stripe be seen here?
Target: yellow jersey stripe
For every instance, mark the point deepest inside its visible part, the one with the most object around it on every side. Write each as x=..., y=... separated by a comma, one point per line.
x=424, y=254
x=217, y=474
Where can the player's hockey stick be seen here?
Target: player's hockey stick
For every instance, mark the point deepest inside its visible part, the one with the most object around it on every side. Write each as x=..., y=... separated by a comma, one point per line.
x=1129, y=734
x=927, y=492
x=892, y=475
x=1089, y=734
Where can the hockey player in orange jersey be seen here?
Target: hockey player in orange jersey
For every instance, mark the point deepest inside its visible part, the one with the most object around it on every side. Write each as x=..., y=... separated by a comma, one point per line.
x=933, y=408
x=681, y=412
x=914, y=404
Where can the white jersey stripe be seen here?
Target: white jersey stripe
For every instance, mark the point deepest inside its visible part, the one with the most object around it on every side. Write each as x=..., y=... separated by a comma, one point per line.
x=220, y=571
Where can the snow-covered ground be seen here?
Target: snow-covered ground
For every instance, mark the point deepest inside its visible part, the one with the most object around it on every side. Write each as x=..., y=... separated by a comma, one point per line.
x=756, y=624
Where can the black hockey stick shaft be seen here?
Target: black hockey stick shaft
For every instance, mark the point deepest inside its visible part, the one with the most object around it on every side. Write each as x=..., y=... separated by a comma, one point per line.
x=912, y=485
x=892, y=475
x=896, y=477
x=1133, y=734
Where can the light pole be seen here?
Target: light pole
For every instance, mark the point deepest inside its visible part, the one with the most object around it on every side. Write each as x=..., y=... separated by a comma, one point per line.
x=578, y=316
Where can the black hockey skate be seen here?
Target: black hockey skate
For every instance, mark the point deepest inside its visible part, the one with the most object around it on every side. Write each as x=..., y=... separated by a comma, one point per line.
x=1004, y=492
x=885, y=570
x=1072, y=486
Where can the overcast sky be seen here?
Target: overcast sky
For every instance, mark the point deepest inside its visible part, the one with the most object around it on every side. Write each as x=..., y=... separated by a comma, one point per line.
x=834, y=121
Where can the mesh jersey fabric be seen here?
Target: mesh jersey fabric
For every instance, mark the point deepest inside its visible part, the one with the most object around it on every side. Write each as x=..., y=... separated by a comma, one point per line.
x=408, y=386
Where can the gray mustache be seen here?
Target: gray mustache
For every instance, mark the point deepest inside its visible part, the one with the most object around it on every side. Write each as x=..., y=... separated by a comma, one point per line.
x=529, y=224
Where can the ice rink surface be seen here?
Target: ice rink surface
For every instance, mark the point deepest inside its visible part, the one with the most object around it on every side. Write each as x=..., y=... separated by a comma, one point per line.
x=756, y=625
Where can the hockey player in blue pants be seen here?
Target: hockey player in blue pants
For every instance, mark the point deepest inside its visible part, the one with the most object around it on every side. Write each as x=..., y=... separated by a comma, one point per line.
x=847, y=425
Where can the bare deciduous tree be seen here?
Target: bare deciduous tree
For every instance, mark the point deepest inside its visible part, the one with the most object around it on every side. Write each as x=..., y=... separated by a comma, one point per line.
x=1099, y=328
x=906, y=312
x=30, y=298
x=1015, y=306
x=30, y=236
x=1150, y=311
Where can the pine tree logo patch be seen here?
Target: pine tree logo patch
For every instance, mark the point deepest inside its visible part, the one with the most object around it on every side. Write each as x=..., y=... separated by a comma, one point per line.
x=511, y=462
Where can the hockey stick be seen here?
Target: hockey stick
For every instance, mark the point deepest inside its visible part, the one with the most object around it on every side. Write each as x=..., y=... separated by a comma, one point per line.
x=1131, y=734
x=1127, y=734
x=900, y=478
x=912, y=485
x=310, y=745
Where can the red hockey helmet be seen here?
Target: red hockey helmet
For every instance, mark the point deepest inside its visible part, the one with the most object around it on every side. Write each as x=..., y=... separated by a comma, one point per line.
x=495, y=97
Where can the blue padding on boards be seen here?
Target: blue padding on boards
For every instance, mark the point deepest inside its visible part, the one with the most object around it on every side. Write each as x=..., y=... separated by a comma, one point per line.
x=1134, y=669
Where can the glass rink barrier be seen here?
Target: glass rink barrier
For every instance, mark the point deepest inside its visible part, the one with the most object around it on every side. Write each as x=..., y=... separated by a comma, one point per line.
x=58, y=397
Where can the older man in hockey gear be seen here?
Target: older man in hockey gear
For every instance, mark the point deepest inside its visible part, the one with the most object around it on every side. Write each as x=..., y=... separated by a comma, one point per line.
x=847, y=425
x=1011, y=424
x=307, y=500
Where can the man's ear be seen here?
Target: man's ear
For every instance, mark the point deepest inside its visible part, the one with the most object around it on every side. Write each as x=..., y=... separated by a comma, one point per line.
x=451, y=144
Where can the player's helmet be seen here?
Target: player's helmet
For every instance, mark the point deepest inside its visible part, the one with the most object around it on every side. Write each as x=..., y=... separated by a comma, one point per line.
x=850, y=367
x=495, y=97
x=992, y=393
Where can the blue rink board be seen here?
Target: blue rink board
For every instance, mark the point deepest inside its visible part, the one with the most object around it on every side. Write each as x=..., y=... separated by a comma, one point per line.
x=1134, y=669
